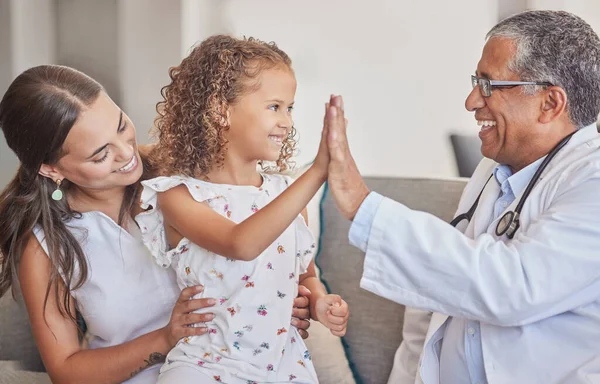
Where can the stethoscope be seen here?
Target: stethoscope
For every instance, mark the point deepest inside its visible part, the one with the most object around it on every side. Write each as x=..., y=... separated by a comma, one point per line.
x=509, y=223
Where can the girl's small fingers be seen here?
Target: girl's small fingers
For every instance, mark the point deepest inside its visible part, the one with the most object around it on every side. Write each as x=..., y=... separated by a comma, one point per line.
x=332, y=319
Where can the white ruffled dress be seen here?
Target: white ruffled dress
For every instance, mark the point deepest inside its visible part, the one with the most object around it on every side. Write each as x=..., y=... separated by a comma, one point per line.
x=250, y=339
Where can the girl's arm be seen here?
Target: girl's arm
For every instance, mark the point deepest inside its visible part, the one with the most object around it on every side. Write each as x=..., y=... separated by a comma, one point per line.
x=248, y=239
x=57, y=337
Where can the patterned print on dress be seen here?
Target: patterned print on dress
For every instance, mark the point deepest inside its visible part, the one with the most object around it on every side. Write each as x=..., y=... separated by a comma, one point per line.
x=293, y=340
x=234, y=310
x=307, y=355
x=281, y=330
x=292, y=377
x=187, y=270
x=183, y=248
x=216, y=274
x=265, y=345
x=280, y=249
x=257, y=351
x=245, y=278
x=248, y=328
x=292, y=275
x=262, y=310
x=270, y=267
x=201, y=363
x=250, y=284
x=254, y=208
x=236, y=345
x=280, y=294
x=302, y=363
x=212, y=331
x=270, y=367
x=223, y=299
x=217, y=379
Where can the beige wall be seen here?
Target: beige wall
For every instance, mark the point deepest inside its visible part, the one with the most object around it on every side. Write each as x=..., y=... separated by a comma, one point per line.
x=149, y=43
x=403, y=66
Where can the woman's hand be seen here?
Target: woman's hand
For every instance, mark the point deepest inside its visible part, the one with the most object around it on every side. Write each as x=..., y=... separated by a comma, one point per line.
x=301, y=311
x=183, y=321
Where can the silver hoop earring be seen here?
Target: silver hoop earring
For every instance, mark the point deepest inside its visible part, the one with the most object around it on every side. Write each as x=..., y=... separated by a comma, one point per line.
x=57, y=195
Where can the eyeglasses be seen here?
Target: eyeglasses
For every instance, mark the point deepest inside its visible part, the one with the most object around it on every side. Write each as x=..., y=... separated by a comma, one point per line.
x=486, y=85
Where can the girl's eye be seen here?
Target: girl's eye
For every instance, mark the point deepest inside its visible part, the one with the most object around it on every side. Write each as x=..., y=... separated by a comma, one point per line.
x=102, y=159
x=123, y=127
x=290, y=109
x=274, y=108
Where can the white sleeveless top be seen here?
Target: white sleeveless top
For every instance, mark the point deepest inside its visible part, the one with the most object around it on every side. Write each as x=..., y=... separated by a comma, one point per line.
x=250, y=339
x=126, y=295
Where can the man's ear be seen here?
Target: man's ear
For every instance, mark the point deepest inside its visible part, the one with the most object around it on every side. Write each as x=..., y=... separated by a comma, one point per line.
x=51, y=171
x=554, y=104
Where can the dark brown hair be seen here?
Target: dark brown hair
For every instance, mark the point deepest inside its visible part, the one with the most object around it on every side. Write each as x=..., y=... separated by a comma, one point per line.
x=192, y=117
x=37, y=113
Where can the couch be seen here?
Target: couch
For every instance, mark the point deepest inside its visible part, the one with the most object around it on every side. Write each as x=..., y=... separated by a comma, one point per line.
x=365, y=354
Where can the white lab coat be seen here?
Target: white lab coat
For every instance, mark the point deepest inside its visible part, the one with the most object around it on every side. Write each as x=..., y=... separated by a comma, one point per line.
x=518, y=289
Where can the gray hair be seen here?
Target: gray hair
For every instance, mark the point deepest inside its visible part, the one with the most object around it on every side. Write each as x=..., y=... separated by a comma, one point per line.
x=562, y=49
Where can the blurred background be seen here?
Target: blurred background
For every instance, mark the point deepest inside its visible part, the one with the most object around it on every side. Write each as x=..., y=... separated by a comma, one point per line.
x=403, y=66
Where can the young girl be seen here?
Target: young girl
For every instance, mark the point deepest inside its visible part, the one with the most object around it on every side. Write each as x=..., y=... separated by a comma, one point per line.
x=221, y=223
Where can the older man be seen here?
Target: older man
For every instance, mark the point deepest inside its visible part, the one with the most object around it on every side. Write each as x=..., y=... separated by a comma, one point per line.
x=518, y=283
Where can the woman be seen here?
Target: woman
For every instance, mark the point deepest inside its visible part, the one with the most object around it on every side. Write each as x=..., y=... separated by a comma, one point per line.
x=66, y=231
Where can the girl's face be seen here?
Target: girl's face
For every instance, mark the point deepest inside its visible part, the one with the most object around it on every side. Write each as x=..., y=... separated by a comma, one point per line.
x=262, y=119
x=101, y=150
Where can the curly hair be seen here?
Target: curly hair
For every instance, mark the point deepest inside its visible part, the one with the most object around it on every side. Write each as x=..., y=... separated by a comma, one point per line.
x=192, y=118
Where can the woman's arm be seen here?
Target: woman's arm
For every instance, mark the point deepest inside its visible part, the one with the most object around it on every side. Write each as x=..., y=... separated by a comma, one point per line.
x=57, y=337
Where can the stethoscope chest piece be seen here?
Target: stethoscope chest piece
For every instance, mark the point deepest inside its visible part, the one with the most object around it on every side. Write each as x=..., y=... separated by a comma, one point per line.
x=508, y=224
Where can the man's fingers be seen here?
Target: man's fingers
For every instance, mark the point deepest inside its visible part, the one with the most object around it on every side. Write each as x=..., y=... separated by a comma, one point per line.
x=335, y=137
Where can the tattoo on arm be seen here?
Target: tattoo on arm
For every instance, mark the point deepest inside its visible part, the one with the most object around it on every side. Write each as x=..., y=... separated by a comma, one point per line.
x=154, y=358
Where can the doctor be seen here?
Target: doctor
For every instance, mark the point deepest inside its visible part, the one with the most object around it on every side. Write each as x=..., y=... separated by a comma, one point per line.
x=515, y=287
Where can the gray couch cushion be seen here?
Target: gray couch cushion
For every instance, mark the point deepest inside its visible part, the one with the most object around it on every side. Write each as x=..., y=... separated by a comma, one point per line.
x=16, y=340
x=375, y=325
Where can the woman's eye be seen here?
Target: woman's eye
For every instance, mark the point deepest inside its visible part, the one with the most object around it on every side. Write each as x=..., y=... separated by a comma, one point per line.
x=274, y=108
x=102, y=159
